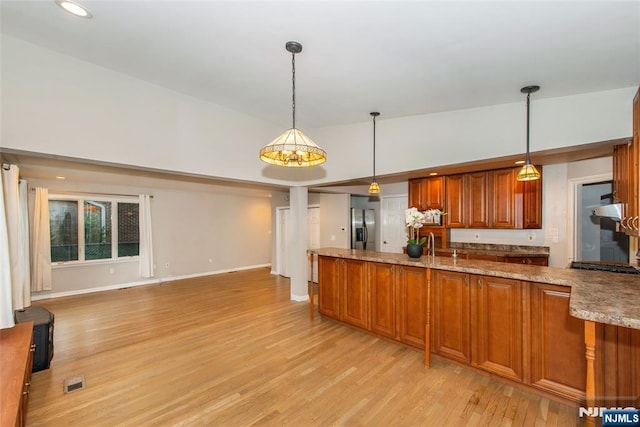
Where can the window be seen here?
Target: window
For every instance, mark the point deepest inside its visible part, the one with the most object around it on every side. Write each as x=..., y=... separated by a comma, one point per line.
x=93, y=228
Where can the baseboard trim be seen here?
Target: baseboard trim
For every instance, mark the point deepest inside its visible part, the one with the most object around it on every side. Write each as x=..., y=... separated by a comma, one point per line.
x=154, y=281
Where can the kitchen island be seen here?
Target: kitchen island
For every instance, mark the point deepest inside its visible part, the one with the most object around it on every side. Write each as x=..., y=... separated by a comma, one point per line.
x=526, y=324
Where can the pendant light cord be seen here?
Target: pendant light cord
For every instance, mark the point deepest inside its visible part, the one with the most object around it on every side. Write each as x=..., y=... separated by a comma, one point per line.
x=374, y=148
x=528, y=159
x=293, y=85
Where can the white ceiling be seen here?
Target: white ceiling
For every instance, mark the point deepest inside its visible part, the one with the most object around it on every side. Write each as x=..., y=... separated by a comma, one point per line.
x=400, y=58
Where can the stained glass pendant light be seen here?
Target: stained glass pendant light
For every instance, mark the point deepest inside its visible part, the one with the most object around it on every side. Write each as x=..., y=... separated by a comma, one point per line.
x=528, y=172
x=374, y=188
x=293, y=148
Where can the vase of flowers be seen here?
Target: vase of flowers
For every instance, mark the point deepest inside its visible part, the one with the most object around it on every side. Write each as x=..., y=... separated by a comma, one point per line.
x=415, y=220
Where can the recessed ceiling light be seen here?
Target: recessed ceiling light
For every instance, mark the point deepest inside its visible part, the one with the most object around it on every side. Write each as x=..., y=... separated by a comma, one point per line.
x=519, y=162
x=433, y=173
x=74, y=8
x=61, y=177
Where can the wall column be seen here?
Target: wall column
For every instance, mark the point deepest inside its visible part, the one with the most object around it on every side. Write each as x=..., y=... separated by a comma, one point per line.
x=298, y=262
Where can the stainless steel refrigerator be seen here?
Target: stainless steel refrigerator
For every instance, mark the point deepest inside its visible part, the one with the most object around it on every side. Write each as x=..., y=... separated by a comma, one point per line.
x=363, y=229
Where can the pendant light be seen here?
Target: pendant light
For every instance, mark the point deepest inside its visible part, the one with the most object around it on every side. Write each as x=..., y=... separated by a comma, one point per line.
x=293, y=148
x=528, y=172
x=374, y=188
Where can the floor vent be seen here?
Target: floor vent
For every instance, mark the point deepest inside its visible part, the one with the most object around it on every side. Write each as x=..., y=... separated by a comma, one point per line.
x=74, y=383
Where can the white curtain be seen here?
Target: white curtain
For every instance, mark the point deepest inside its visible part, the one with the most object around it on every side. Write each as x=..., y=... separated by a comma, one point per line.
x=146, y=240
x=15, y=210
x=23, y=245
x=6, y=303
x=41, y=243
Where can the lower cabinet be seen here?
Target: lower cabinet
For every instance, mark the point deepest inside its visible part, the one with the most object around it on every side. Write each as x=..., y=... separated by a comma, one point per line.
x=557, y=348
x=478, y=320
x=343, y=294
x=389, y=300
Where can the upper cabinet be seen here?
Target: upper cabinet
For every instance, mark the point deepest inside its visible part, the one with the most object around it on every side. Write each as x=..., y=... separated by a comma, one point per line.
x=626, y=179
x=427, y=193
x=492, y=199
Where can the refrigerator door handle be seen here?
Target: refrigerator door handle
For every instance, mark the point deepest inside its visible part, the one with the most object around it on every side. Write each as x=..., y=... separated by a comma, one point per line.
x=366, y=235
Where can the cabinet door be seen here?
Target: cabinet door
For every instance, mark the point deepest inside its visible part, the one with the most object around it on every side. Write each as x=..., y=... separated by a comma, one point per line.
x=532, y=202
x=455, y=201
x=413, y=305
x=557, y=349
x=383, y=299
x=354, y=296
x=329, y=286
x=478, y=200
x=416, y=190
x=450, y=315
x=434, y=193
x=503, y=198
x=498, y=327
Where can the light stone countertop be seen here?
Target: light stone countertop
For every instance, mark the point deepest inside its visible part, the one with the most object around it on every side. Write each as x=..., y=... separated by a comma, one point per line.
x=611, y=298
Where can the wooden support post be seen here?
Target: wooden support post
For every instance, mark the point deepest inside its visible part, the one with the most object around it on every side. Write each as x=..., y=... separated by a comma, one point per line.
x=310, y=290
x=427, y=325
x=590, y=353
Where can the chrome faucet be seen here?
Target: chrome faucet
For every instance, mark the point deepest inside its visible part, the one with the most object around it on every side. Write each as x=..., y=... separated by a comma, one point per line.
x=431, y=246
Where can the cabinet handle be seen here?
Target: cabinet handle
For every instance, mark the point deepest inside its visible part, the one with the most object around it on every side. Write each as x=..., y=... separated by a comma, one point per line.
x=479, y=283
x=466, y=280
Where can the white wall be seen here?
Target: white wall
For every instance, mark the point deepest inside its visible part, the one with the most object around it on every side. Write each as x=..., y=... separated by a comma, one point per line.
x=196, y=231
x=335, y=220
x=56, y=104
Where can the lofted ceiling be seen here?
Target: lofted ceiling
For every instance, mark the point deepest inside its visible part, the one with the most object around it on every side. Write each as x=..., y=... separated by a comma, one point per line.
x=399, y=57
x=402, y=58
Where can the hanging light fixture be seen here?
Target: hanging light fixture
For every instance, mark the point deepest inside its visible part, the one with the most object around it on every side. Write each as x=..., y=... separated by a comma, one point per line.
x=374, y=188
x=293, y=148
x=528, y=172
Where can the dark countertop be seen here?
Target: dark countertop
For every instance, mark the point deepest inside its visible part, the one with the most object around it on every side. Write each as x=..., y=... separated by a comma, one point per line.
x=611, y=298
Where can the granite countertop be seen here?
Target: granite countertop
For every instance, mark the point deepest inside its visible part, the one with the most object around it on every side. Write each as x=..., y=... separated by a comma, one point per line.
x=612, y=298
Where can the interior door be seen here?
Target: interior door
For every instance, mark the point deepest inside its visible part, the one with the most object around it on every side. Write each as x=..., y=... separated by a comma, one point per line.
x=283, y=244
x=393, y=230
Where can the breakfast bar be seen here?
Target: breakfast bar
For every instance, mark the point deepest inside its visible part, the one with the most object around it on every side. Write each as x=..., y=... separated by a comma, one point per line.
x=541, y=327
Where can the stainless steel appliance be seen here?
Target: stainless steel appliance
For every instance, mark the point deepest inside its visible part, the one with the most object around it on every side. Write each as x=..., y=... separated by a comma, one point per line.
x=363, y=229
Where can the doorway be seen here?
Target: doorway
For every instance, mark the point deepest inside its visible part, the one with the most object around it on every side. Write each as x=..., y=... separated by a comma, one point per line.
x=393, y=231
x=284, y=236
x=597, y=238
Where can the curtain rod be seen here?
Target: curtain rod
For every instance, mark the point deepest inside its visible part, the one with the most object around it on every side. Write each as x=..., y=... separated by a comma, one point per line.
x=91, y=193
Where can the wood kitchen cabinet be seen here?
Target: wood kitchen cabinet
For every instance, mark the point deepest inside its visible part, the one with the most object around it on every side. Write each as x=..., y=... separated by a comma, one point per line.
x=329, y=274
x=398, y=302
x=503, y=192
x=344, y=292
x=455, y=202
x=388, y=300
x=557, y=348
x=626, y=176
x=382, y=292
x=478, y=320
x=492, y=199
x=412, y=304
x=353, y=293
x=427, y=193
x=450, y=315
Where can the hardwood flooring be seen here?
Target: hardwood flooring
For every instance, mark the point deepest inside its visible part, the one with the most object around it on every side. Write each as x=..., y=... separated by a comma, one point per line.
x=233, y=350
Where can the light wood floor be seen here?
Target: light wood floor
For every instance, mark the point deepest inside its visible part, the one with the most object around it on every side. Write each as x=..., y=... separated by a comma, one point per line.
x=233, y=350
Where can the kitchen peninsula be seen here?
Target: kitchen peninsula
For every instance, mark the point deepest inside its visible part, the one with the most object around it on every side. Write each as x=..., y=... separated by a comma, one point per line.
x=525, y=324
